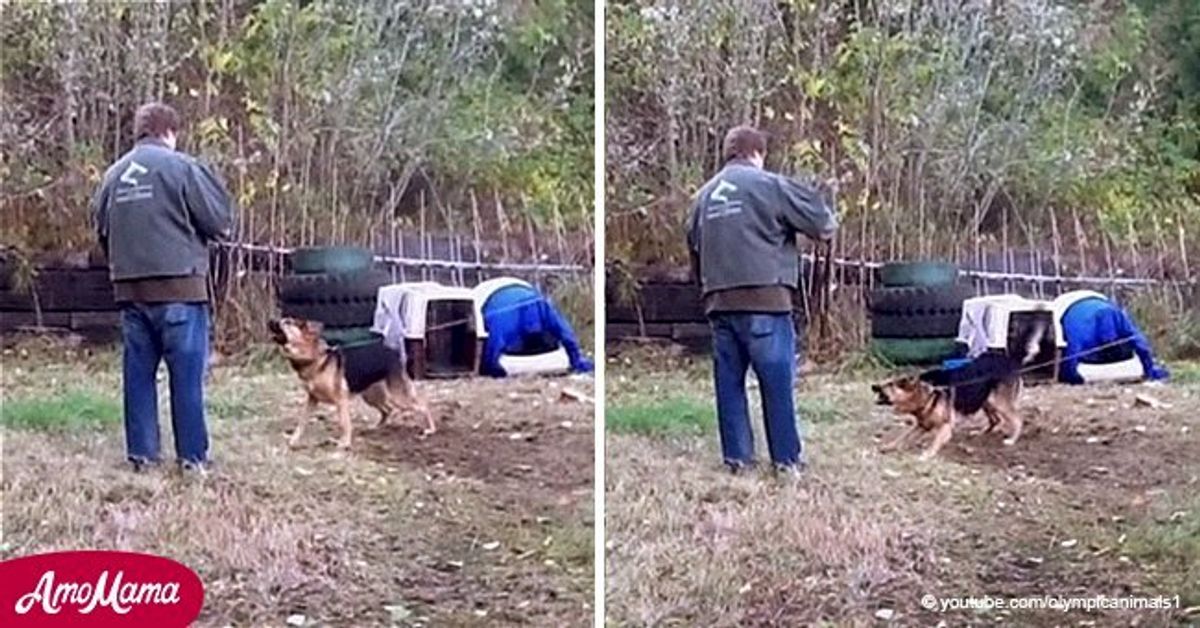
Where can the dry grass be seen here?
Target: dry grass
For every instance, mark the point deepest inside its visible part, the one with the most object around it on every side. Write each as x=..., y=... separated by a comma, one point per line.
x=399, y=532
x=863, y=533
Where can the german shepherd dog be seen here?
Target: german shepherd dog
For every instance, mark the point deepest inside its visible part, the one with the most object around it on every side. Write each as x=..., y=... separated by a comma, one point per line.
x=940, y=398
x=335, y=375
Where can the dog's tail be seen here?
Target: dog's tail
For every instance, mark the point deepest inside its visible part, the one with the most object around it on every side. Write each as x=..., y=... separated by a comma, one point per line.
x=1031, y=342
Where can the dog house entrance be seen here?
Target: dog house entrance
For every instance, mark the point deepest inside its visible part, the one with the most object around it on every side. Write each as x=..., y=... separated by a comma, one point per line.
x=451, y=347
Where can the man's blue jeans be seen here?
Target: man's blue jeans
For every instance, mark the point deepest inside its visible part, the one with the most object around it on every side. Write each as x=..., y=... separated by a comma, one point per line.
x=767, y=343
x=177, y=333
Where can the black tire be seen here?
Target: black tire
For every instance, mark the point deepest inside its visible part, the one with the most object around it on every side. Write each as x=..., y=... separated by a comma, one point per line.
x=331, y=259
x=350, y=336
x=919, y=300
x=327, y=288
x=939, y=325
x=922, y=274
x=902, y=351
x=346, y=313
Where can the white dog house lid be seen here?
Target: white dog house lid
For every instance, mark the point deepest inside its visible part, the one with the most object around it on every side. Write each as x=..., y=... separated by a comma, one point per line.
x=984, y=322
x=414, y=307
x=487, y=288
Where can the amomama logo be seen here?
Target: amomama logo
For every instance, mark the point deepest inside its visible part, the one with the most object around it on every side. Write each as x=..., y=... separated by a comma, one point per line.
x=98, y=588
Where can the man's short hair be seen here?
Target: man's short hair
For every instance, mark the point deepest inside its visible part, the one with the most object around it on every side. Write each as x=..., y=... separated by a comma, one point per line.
x=742, y=142
x=155, y=119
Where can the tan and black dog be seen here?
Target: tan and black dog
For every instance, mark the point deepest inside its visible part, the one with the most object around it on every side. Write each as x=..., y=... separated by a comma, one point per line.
x=939, y=399
x=334, y=376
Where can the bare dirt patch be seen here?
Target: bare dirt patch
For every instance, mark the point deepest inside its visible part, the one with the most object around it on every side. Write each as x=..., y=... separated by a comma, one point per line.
x=518, y=437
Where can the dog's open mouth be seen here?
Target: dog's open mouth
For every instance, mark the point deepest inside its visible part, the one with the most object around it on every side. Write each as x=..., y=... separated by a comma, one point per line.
x=881, y=398
x=277, y=333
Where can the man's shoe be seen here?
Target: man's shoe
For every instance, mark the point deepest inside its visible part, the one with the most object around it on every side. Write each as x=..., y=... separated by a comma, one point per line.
x=194, y=469
x=790, y=472
x=738, y=467
x=142, y=465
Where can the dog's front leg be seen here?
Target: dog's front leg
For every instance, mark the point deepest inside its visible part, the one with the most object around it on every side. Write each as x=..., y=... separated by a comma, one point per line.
x=310, y=412
x=430, y=424
x=1015, y=423
x=940, y=437
x=902, y=440
x=993, y=419
x=343, y=416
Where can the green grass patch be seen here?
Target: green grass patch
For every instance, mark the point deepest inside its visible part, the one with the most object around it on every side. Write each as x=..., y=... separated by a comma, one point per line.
x=71, y=410
x=224, y=407
x=685, y=415
x=1173, y=547
x=819, y=410
x=571, y=545
x=1185, y=372
x=673, y=415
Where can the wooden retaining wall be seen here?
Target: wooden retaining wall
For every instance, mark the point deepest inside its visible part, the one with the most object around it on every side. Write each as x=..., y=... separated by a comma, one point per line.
x=78, y=300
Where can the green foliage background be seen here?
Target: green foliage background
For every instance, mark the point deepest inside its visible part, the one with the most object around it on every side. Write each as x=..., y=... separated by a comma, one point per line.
x=954, y=128
x=328, y=118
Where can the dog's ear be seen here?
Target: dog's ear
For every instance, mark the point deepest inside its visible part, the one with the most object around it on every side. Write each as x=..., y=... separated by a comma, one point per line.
x=313, y=328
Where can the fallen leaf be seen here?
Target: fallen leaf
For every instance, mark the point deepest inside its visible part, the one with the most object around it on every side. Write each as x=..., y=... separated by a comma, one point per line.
x=570, y=394
x=491, y=546
x=296, y=620
x=885, y=614
x=398, y=612
x=1069, y=543
x=1150, y=402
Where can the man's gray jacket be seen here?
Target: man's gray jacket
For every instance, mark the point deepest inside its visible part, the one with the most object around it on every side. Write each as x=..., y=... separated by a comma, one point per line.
x=155, y=212
x=742, y=231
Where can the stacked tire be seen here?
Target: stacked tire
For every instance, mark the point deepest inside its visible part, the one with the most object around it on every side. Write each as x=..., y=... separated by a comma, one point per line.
x=336, y=286
x=915, y=316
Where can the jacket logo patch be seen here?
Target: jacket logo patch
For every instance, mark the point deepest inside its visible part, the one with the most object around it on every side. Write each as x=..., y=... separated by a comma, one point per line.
x=720, y=205
x=131, y=173
x=136, y=191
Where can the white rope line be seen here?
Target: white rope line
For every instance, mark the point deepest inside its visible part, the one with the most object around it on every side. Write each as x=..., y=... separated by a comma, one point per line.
x=393, y=260
x=1027, y=277
x=1033, y=367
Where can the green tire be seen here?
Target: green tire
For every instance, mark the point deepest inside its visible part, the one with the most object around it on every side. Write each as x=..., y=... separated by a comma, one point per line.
x=902, y=351
x=331, y=260
x=905, y=274
x=349, y=336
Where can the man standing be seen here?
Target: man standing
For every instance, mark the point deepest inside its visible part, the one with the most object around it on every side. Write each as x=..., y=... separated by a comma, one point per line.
x=155, y=212
x=742, y=237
